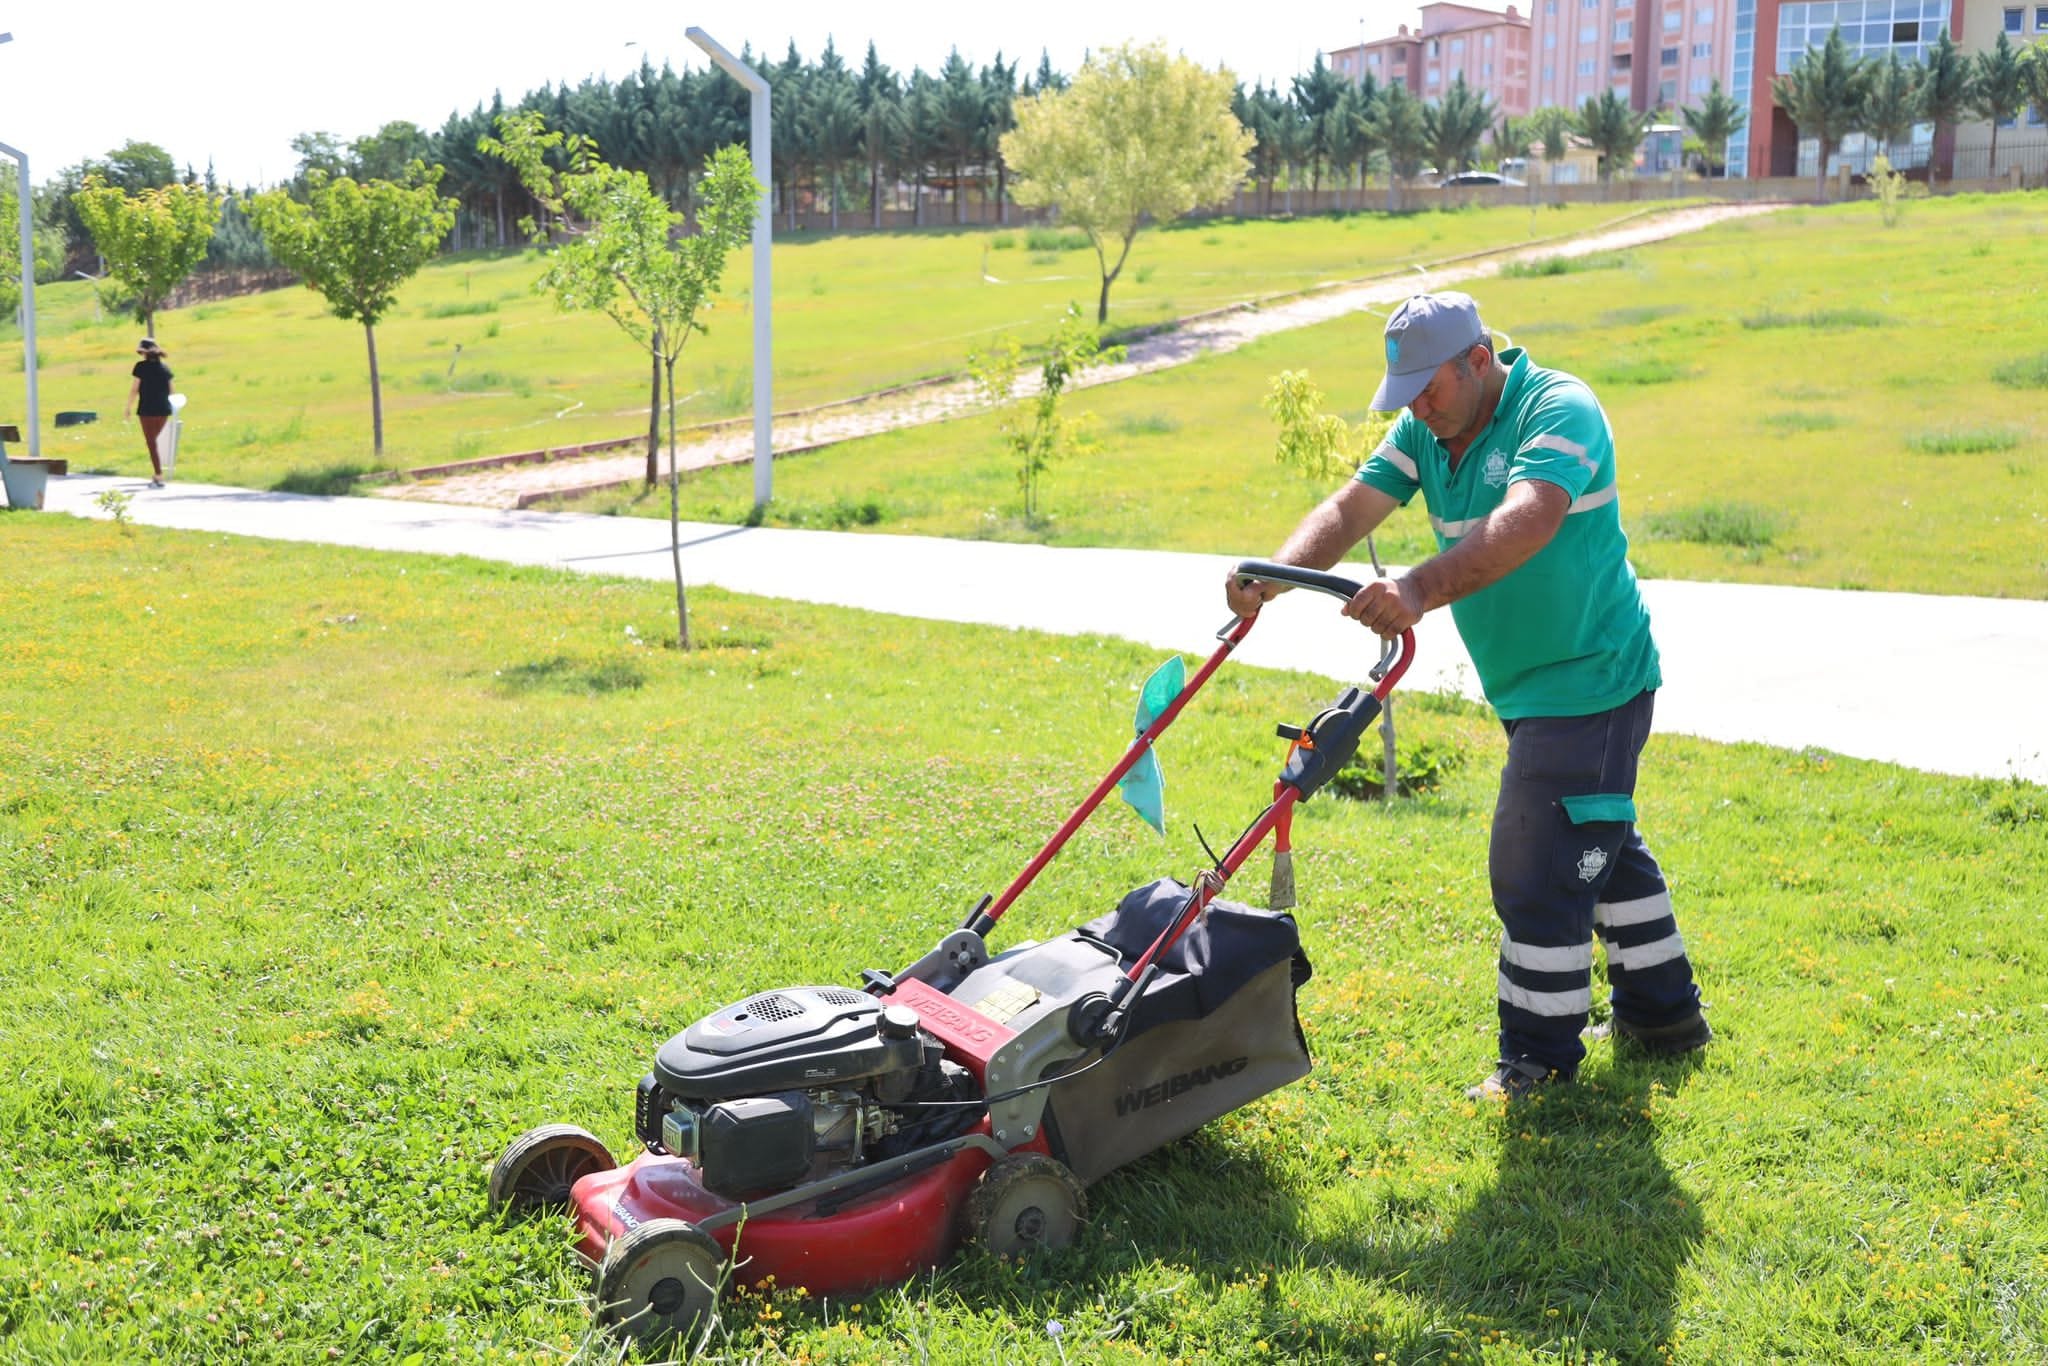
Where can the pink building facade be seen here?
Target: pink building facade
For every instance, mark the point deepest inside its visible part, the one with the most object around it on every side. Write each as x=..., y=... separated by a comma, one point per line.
x=1490, y=49
x=1657, y=54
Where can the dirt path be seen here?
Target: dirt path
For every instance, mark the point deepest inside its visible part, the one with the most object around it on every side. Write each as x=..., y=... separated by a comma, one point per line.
x=1207, y=334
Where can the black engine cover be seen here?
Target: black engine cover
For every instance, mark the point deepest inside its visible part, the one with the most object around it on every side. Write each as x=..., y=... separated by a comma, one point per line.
x=794, y=1039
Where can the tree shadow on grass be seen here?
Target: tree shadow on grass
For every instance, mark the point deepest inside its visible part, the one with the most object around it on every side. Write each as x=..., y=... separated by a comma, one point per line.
x=1581, y=1238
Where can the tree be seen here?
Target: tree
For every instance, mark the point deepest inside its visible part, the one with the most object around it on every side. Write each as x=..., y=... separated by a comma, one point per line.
x=1613, y=129
x=1998, y=87
x=1138, y=136
x=1358, y=111
x=2035, y=69
x=1944, y=88
x=1720, y=116
x=355, y=244
x=623, y=257
x=833, y=122
x=1551, y=127
x=1823, y=93
x=1319, y=96
x=1455, y=124
x=1891, y=102
x=1405, y=136
x=959, y=109
x=882, y=129
x=1042, y=436
x=150, y=240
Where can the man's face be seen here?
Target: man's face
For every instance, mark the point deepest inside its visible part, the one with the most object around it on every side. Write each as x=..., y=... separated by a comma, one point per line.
x=1449, y=404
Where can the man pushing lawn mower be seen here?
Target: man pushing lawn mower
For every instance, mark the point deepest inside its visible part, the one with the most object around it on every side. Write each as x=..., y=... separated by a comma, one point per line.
x=1516, y=466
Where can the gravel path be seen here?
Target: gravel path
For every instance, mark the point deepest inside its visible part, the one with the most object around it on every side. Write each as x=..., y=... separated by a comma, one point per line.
x=1206, y=334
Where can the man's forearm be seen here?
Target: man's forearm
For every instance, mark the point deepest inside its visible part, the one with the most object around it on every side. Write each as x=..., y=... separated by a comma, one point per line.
x=1500, y=544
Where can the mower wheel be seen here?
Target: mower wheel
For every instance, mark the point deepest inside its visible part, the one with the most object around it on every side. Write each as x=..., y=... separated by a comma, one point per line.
x=658, y=1279
x=1025, y=1201
x=541, y=1165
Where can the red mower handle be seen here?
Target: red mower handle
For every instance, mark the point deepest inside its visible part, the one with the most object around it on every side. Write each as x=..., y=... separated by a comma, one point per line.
x=1388, y=671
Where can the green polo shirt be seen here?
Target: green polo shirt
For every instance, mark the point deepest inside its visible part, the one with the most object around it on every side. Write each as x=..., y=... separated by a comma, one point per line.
x=1566, y=634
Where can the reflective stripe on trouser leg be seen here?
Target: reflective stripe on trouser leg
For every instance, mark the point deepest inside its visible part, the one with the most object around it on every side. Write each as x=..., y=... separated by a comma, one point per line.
x=1549, y=871
x=1647, y=966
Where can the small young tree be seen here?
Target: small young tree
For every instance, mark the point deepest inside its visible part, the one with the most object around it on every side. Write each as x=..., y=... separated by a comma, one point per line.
x=1138, y=137
x=151, y=240
x=1455, y=124
x=1998, y=88
x=1323, y=448
x=355, y=244
x=2034, y=69
x=1720, y=116
x=1823, y=93
x=1040, y=435
x=623, y=257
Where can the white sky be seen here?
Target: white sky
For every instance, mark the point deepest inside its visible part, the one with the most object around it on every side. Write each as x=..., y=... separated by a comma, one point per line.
x=235, y=82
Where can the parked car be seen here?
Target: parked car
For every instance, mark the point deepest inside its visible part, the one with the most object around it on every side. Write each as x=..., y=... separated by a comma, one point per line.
x=1480, y=178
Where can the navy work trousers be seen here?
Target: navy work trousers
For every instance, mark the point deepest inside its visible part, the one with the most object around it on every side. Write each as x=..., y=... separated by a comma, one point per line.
x=1567, y=862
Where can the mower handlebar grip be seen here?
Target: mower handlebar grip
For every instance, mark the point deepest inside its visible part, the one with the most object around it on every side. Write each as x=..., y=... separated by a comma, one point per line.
x=1294, y=576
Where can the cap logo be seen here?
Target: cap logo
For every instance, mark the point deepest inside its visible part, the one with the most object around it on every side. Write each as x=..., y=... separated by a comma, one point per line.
x=1393, y=350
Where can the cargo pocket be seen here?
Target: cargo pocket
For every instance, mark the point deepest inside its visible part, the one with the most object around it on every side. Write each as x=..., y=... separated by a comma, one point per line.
x=1594, y=827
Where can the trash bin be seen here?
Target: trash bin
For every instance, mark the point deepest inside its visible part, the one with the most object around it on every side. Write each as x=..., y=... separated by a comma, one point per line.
x=168, y=446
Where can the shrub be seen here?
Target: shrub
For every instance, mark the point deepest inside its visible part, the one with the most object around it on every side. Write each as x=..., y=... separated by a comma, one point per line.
x=1963, y=440
x=1002, y=241
x=1417, y=769
x=1786, y=424
x=1830, y=319
x=2029, y=372
x=1053, y=239
x=1747, y=525
x=1563, y=265
x=460, y=308
x=1649, y=370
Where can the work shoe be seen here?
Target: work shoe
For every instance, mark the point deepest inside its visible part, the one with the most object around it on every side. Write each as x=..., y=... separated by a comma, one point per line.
x=1515, y=1079
x=156, y=483
x=1658, y=1041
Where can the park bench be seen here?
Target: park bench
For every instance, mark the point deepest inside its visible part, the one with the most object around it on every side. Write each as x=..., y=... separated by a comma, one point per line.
x=25, y=480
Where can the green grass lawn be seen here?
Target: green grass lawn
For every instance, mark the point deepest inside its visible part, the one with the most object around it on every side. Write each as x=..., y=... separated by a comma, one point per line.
x=475, y=364
x=1806, y=398
x=324, y=873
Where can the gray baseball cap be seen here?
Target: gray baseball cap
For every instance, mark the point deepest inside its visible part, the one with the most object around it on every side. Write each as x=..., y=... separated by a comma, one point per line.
x=1424, y=333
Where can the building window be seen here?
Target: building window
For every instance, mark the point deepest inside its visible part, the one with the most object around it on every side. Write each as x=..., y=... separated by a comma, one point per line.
x=1587, y=33
x=1486, y=71
x=1434, y=44
x=1550, y=39
x=2012, y=20
x=1621, y=61
x=1586, y=68
x=1700, y=84
x=1550, y=6
x=1623, y=30
x=1486, y=40
x=1457, y=46
x=1667, y=92
x=2041, y=18
x=1432, y=76
x=1704, y=15
x=1549, y=74
x=1668, y=57
x=1702, y=49
x=1589, y=4
x=1373, y=60
x=1672, y=19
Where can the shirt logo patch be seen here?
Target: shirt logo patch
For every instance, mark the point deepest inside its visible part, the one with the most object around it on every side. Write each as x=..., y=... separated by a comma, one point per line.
x=1496, y=473
x=1590, y=864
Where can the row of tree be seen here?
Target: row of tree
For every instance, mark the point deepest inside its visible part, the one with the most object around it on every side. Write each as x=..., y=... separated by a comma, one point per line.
x=1832, y=92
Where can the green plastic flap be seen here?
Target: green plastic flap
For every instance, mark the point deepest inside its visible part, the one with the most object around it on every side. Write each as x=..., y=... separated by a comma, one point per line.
x=1600, y=806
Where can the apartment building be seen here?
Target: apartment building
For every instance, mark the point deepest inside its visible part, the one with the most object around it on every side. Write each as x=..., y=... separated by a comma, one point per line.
x=1770, y=37
x=1489, y=48
x=1658, y=54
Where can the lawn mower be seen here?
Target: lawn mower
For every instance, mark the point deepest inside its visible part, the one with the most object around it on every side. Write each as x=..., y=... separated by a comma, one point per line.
x=841, y=1138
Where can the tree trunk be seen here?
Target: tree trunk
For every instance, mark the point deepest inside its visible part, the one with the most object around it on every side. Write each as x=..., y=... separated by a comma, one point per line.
x=1821, y=183
x=1002, y=194
x=675, y=519
x=1102, y=303
x=654, y=414
x=1992, y=172
x=376, y=395
x=917, y=200
x=148, y=323
x=835, y=198
x=499, y=196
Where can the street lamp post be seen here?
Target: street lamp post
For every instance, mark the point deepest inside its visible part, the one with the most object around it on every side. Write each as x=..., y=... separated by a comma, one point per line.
x=28, y=288
x=764, y=227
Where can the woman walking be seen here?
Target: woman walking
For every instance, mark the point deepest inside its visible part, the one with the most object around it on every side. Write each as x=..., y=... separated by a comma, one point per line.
x=150, y=399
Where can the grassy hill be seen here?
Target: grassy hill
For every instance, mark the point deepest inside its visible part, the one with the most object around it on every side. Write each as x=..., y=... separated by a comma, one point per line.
x=1805, y=398
x=475, y=364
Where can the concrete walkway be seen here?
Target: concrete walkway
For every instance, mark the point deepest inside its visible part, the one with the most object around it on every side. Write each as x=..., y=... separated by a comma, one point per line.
x=1951, y=685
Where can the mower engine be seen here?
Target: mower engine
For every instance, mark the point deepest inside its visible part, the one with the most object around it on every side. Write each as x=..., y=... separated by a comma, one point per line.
x=794, y=1085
